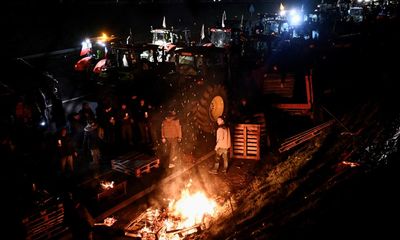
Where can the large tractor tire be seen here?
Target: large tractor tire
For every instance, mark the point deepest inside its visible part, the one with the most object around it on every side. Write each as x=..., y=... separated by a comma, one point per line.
x=212, y=103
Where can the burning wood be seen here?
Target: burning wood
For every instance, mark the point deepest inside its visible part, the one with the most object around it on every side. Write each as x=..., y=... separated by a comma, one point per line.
x=185, y=216
x=351, y=164
x=105, y=185
x=107, y=222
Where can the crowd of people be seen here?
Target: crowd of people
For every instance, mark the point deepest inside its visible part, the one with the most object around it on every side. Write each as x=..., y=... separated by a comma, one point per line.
x=76, y=141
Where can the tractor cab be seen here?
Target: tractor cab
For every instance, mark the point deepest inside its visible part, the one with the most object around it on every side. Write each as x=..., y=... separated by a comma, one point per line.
x=163, y=36
x=168, y=40
x=204, y=63
x=93, y=52
x=221, y=37
x=356, y=14
x=127, y=61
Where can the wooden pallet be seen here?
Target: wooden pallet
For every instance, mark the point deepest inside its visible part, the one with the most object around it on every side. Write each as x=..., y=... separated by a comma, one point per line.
x=146, y=166
x=45, y=224
x=135, y=164
x=246, y=142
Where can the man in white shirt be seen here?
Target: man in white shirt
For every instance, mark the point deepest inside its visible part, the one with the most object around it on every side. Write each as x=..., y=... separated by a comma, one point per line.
x=223, y=143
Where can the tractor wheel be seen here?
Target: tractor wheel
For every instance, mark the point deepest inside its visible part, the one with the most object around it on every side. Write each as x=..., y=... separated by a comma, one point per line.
x=211, y=104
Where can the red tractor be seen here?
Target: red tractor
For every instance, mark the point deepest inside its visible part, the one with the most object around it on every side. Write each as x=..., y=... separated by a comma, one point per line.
x=94, y=53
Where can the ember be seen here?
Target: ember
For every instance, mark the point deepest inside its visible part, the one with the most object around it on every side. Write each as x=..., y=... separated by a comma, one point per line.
x=351, y=164
x=107, y=222
x=105, y=185
x=187, y=215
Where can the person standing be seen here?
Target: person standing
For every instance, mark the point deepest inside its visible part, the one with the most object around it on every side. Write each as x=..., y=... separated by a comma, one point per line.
x=143, y=121
x=125, y=119
x=171, y=135
x=223, y=143
x=92, y=142
x=86, y=113
x=66, y=150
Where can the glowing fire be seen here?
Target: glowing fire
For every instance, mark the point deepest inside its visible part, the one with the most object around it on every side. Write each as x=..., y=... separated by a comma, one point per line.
x=107, y=185
x=187, y=215
x=351, y=164
x=192, y=208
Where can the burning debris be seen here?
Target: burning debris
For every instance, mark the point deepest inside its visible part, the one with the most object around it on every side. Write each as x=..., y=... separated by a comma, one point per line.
x=191, y=213
x=350, y=164
x=107, y=222
x=105, y=185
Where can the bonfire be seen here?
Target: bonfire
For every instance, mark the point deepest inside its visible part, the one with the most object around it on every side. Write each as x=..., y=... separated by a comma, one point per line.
x=190, y=214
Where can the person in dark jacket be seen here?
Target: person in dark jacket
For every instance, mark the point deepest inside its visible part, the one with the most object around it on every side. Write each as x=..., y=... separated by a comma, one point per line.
x=125, y=120
x=86, y=113
x=92, y=141
x=65, y=150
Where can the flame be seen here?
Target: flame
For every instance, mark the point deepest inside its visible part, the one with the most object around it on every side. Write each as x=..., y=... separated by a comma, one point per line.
x=192, y=208
x=281, y=7
x=107, y=185
x=188, y=214
x=282, y=11
x=351, y=164
x=104, y=37
x=109, y=221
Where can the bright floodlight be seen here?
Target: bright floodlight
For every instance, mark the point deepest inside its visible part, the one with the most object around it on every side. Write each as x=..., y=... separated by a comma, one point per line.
x=294, y=18
x=86, y=43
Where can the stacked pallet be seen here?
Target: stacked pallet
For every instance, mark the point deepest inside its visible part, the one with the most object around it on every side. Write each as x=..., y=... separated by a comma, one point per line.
x=46, y=224
x=246, y=142
x=135, y=164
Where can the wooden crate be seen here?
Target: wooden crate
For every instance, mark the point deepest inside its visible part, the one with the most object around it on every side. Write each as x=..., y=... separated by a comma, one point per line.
x=46, y=223
x=135, y=164
x=246, y=142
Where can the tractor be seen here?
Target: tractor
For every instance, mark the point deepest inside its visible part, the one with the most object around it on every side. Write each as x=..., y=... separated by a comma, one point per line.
x=94, y=53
